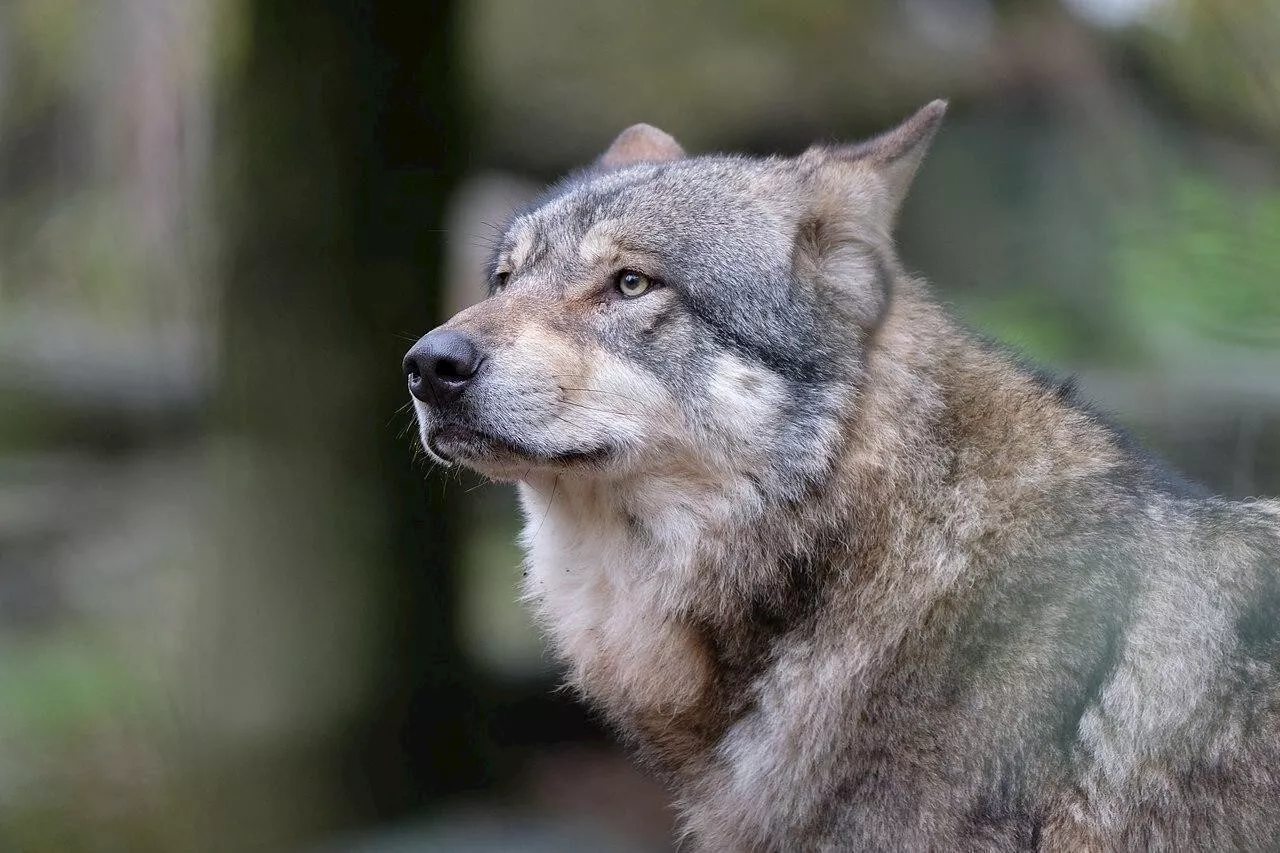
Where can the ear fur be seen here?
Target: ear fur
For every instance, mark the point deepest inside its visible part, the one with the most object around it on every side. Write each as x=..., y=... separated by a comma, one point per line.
x=845, y=266
x=892, y=157
x=641, y=143
x=856, y=193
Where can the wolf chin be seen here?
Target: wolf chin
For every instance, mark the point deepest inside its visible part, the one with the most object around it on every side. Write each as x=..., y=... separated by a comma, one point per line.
x=844, y=575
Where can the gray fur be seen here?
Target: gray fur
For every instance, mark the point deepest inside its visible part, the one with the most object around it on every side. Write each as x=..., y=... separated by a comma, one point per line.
x=844, y=576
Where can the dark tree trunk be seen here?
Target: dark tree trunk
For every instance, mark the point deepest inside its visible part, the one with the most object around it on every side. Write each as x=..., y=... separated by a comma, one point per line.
x=346, y=142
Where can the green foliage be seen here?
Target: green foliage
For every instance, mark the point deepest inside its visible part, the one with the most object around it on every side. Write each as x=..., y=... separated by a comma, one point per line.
x=1219, y=59
x=47, y=39
x=1033, y=325
x=57, y=689
x=1198, y=274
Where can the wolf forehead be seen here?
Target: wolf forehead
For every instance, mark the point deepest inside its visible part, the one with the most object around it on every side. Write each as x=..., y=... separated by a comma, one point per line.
x=785, y=260
x=720, y=230
x=721, y=209
x=714, y=211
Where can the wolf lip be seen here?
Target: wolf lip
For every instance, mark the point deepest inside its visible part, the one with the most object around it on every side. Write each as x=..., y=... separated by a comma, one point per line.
x=451, y=442
x=455, y=443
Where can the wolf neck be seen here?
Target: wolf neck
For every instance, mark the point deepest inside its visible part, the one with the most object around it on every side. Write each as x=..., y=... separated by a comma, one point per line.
x=666, y=599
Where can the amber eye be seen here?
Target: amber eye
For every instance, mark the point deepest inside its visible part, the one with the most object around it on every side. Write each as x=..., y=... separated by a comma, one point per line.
x=632, y=284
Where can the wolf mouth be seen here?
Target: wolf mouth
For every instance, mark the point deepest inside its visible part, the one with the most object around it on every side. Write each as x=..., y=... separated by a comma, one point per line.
x=474, y=447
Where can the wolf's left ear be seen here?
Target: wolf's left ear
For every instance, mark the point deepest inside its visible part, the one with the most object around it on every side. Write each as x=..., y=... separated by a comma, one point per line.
x=641, y=143
x=856, y=193
x=894, y=156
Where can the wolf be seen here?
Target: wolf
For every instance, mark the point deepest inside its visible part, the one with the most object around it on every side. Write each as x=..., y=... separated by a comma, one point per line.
x=843, y=574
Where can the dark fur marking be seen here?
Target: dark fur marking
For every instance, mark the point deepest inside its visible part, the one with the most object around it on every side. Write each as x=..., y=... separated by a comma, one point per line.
x=1258, y=624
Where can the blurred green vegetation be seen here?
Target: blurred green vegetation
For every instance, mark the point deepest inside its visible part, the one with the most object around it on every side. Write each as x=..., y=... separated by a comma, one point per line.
x=1200, y=276
x=1218, y=60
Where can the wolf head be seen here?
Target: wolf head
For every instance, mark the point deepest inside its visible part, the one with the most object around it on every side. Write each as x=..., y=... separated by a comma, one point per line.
x=658, y=313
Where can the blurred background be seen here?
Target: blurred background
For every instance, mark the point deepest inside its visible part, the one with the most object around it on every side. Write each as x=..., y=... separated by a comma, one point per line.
x=237, y=613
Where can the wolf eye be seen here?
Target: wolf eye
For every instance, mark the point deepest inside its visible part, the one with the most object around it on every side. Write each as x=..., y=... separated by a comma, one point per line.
x=632, y=284
x=500, y=280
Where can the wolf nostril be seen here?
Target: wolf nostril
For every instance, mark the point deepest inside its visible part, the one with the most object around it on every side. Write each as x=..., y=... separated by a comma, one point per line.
x=441, y=365
x=412, y=369
x=453, y=369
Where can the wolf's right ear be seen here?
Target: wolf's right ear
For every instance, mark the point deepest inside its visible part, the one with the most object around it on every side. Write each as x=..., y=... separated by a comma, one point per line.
x=641, y=143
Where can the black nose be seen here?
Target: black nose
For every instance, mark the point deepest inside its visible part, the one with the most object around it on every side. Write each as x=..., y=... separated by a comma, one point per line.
x=440, y=365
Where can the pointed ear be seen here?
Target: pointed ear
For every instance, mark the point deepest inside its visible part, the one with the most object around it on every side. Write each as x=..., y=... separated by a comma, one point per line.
x=641, y=143
x=894, y=156
x=844, y=244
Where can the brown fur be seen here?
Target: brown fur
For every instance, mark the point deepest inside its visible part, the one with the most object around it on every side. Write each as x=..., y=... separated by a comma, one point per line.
x=845, y=576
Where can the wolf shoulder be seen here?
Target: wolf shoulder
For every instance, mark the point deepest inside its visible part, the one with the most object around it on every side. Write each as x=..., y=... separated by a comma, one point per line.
x=1165, y=600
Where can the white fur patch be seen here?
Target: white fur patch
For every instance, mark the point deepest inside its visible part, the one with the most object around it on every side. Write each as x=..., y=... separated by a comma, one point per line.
x=599, y=243
x=523, y=245
x=607, y=592
x=748, y=401
x=592, y=587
